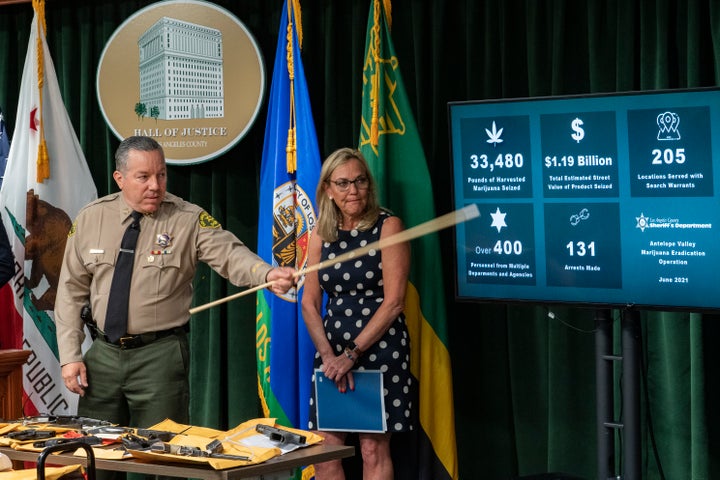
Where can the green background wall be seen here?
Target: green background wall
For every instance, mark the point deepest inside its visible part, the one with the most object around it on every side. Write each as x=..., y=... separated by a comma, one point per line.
x=524, y=383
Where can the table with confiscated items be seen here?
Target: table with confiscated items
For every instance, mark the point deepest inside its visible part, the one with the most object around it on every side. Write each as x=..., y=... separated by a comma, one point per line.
x=256, y=448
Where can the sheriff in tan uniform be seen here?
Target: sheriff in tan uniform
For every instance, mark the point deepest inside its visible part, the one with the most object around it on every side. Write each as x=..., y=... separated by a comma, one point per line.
x=136, y=373
x=171, y=242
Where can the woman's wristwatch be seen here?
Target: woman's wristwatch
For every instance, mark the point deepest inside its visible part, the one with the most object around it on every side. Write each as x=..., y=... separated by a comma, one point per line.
x=352, y=351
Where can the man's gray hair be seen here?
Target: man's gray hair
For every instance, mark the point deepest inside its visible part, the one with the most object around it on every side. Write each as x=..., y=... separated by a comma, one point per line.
x=144, y=144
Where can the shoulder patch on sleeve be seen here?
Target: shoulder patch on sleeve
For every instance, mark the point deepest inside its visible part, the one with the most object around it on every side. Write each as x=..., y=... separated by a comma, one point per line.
x=73, y=229
x=207, y=221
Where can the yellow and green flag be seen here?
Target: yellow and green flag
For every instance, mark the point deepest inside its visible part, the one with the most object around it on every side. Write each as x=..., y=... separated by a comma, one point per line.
x=390, y=142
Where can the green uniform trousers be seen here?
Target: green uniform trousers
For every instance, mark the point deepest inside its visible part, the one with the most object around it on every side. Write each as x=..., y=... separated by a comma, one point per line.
x=138, y=387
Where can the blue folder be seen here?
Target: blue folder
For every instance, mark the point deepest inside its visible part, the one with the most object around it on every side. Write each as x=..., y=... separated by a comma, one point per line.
x=359, y=410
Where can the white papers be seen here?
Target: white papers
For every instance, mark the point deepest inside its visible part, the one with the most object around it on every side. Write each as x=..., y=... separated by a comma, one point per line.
x=261, y=440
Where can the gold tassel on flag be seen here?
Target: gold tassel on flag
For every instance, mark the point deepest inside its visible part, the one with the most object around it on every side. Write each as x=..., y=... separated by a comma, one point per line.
x=374, y=135
x=374, y=97
x=43, y=159
x=291, y=147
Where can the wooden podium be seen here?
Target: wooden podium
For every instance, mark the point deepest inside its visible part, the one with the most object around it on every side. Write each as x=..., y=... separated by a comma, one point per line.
x=11, y=362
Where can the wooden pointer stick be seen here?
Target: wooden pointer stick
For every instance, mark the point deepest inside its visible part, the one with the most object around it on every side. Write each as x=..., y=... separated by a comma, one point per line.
x=438, y=223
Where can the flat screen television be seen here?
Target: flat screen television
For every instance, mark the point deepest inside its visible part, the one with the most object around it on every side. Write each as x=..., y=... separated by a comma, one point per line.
x=598, y=200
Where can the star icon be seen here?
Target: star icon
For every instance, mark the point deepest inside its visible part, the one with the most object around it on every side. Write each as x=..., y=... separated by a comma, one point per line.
x=642, y=222
x=498, y=219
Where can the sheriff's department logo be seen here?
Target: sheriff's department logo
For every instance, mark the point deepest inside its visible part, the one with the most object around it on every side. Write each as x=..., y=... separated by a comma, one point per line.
x=207, y=221
x=293, y=220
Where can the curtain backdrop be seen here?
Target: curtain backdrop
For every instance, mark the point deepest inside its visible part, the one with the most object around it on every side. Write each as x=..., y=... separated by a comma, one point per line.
x=524, y=382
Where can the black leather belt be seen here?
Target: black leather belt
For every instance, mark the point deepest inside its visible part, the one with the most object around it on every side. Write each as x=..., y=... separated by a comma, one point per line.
x=141, y=339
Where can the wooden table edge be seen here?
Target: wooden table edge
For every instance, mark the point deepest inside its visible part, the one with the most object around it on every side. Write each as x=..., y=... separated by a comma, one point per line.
x=297, y=458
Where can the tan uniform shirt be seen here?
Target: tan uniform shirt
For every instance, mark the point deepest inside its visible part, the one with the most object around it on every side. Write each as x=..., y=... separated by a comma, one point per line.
x=171, y=242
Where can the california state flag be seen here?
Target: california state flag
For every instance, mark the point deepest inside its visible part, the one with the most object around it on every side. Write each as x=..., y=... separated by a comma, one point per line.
x=46, y=183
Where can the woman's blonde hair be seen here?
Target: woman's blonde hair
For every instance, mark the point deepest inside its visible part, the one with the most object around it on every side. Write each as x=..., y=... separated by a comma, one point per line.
x=329, y=215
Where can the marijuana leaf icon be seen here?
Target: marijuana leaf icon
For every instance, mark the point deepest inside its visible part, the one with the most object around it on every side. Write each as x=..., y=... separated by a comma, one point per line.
x=494, y=135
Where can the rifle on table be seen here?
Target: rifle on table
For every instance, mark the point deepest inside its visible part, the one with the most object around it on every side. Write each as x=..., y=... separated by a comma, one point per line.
x=31, y=434
x=86, y=440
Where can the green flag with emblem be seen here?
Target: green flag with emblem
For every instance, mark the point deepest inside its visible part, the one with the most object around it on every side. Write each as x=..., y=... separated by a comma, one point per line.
x=390, y=142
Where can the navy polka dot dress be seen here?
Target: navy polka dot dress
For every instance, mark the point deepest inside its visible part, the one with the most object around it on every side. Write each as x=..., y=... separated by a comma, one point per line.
x=355, y=292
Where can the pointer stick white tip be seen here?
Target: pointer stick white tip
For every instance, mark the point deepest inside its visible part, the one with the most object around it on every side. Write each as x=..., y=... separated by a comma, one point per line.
x=471, y=211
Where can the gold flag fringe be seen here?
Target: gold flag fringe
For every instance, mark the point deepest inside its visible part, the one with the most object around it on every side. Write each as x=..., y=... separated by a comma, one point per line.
x=387, y=4
x=298, y=21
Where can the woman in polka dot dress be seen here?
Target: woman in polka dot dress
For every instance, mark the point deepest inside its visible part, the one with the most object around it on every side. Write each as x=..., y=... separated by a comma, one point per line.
x=363, y=327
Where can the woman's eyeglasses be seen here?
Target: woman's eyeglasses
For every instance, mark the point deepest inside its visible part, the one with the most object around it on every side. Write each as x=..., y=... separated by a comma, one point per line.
x=361, y=183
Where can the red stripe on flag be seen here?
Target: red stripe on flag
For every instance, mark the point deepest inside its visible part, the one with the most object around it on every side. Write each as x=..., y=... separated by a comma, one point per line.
x=11, y=330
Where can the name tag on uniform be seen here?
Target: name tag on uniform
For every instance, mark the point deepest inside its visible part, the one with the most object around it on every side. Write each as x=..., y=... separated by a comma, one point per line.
x=97, y=250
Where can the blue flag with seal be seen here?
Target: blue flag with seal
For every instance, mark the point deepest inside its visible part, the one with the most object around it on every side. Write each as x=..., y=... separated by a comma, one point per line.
x=288, y=177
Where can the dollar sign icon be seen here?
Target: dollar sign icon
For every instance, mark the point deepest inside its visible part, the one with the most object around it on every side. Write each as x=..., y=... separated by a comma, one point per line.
x=579, y=133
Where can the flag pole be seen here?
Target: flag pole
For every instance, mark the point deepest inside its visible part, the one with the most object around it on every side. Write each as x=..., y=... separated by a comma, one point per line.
x=444, y=221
